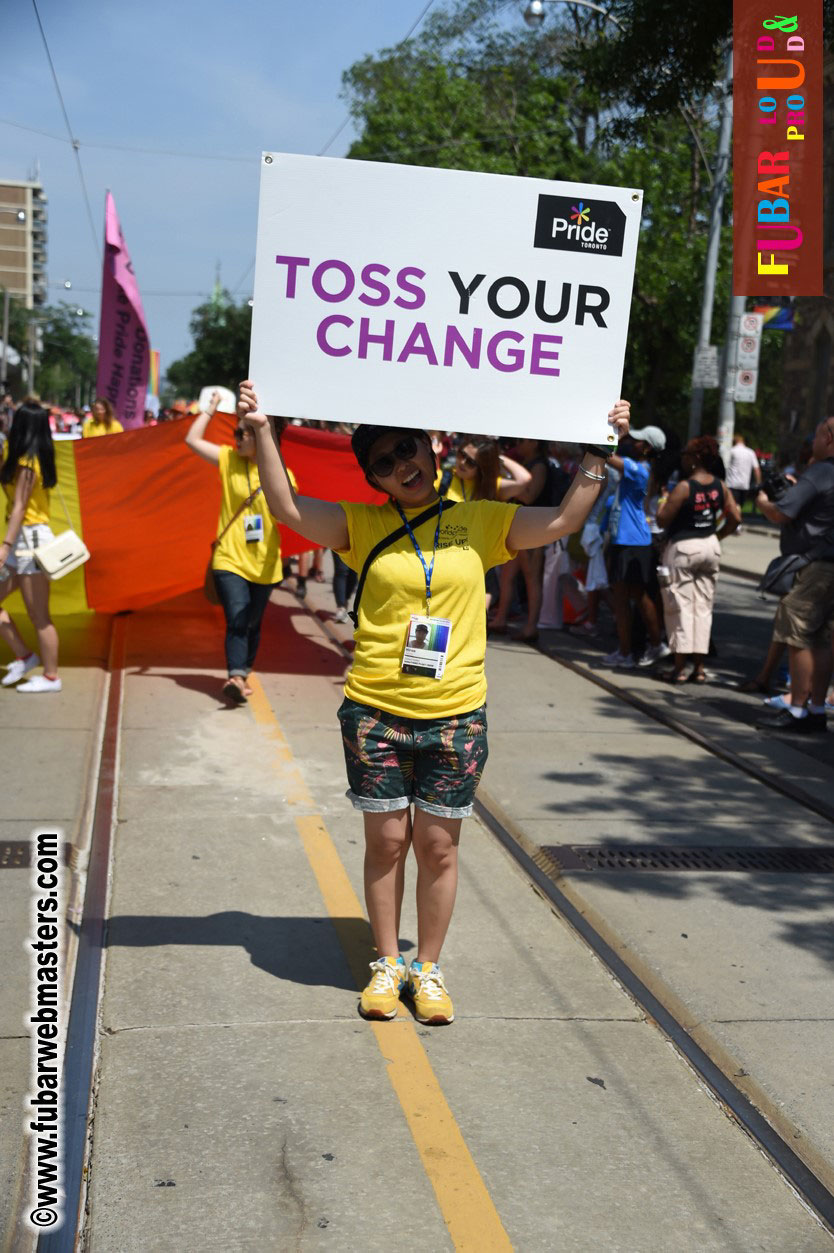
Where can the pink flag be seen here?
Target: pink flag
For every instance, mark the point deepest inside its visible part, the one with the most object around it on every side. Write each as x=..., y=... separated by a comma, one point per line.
x=123, y=353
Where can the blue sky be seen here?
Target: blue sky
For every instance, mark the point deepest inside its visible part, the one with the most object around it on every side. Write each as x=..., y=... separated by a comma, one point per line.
x=210, y=78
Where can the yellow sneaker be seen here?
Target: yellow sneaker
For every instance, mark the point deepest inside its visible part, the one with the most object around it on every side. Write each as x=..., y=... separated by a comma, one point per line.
x=381, y=998
x=432, y=1003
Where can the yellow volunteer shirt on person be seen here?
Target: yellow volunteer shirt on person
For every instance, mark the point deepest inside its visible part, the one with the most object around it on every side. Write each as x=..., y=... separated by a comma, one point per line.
x=90, y=428
x=473, y=538
x=461, y=489
x=258, y=562
x=37, y=510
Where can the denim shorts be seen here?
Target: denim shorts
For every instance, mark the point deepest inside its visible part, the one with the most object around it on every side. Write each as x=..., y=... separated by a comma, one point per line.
x=393, y=762
x=22, y=560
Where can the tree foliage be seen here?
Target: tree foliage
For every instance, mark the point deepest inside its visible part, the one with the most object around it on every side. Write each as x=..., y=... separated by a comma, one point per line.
x=68, y=358
x=220, y=329
x=470, y=94
x=667, y=52
x=66, y=355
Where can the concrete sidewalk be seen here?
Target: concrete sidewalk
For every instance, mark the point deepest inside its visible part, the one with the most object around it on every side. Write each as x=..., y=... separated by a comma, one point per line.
x=47, y=745
x=242, y=1102
x=748, y=553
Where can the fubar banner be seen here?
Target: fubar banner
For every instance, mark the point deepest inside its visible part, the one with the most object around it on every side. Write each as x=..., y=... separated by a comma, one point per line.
x=777, y=150
x=444, y=299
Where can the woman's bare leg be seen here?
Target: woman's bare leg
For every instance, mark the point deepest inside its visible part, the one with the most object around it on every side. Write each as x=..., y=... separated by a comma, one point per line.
x=35, y=589
x=436, y=849
x=387, y=840
x=8, y=631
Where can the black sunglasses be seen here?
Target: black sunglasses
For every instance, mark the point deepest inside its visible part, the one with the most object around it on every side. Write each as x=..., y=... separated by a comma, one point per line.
x=403, y=451
x=466, y=459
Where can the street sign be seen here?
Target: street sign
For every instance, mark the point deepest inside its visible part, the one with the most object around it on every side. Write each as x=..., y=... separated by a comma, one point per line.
x=746, y=383
x=705, y=367
x=457, y=300
x=750, y=340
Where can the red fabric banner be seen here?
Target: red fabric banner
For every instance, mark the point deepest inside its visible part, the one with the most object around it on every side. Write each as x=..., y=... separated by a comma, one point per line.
x=777, y=150
x=149, y=505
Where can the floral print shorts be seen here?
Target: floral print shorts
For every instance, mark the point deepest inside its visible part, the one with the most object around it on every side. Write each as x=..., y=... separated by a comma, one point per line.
x=393, y=762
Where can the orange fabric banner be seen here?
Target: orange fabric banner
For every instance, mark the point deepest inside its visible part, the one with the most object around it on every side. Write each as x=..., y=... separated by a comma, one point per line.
x=149, y=505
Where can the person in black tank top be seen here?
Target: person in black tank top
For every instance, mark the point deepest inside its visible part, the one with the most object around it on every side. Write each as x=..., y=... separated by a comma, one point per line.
x=692, y=554
x=533, y=456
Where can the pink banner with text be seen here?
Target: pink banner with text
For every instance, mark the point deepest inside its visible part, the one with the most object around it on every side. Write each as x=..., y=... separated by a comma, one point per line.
x=124, y=352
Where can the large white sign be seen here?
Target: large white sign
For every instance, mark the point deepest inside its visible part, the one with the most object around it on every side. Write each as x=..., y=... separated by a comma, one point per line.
x=419, y=297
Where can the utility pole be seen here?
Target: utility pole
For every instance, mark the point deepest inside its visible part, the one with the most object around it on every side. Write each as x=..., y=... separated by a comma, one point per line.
x=727, y=400
x=716, y=214
x=33, y=336
x=4, y=358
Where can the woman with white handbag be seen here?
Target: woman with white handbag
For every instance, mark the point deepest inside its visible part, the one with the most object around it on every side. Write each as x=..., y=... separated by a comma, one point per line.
x=27, y=476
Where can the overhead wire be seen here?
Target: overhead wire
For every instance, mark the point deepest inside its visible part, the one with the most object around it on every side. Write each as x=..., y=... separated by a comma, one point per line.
x=199, y=156
x=75, y=144
x=404, y=40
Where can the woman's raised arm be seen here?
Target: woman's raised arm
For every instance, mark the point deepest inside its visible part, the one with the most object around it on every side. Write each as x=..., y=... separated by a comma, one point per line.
x=195, y=438
x=321, y=521
x=520, y=479
x=533, y=527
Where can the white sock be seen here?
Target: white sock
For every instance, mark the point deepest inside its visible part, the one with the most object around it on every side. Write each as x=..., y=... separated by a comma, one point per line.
x=798, y=711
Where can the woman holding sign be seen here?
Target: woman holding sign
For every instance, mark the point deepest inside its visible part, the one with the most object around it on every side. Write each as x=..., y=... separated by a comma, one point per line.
x=413, y=718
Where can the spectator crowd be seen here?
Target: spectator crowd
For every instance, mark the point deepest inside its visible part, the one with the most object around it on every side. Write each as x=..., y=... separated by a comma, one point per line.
x=648, y=555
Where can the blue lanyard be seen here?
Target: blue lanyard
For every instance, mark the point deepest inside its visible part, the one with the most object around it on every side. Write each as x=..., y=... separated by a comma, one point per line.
x=427, y=570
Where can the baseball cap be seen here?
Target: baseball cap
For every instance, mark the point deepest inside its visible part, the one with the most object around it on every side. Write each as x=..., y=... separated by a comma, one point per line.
x=652, y=435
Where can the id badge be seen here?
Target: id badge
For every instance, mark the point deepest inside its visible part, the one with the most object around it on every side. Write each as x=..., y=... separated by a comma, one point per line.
x=426, y=646
x=253, y=527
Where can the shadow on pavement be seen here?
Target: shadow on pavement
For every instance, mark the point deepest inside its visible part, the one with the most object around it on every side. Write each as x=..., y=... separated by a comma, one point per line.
x=188, y=632
x=299, y=950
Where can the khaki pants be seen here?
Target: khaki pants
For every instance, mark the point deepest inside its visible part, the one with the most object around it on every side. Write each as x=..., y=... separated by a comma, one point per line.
x=688, y=600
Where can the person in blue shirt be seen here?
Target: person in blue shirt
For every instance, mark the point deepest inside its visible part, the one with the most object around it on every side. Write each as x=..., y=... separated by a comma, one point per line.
x=631, y=555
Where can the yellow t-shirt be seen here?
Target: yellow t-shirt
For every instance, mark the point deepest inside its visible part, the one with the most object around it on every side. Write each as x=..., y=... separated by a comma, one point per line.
x=37, y=510
x=461, y=489
x=90, y=428
x=473, y=538
x=260, y=561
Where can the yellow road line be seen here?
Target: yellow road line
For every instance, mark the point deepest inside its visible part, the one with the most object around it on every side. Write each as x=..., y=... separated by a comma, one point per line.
x=465, y=1204
x=284, y=762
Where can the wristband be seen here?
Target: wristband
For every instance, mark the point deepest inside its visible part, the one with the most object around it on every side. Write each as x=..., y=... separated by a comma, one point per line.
x=597, y=478
x=599, y=450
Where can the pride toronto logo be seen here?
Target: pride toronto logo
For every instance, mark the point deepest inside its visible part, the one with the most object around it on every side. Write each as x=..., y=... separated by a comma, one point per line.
x=576, y=226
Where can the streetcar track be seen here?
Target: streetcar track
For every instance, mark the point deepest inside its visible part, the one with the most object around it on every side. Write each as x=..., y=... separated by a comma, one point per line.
x=672, y=723
x=81, y=1065
x=805, y=1181
x=766, y=777
x=80, y=1077
x=811, y=1180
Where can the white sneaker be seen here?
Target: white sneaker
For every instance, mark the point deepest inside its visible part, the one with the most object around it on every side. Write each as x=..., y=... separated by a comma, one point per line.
x=17, y=669
x=340, y=615
x=654, y=653
x=40, y=683
x=619, y=660
x=587, y=630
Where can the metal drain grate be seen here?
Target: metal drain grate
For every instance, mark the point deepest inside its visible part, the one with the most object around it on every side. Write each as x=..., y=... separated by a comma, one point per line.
x=630, y=857
x=17, y=854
